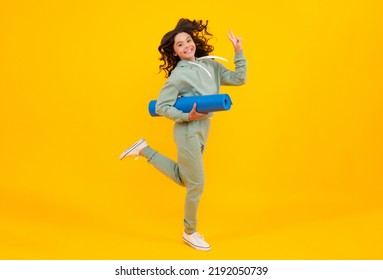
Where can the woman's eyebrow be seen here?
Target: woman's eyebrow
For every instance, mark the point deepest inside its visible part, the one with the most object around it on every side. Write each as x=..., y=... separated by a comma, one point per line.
x=188, y=37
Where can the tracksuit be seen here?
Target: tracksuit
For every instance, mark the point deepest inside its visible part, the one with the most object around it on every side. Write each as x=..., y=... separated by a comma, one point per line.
x=200, y=77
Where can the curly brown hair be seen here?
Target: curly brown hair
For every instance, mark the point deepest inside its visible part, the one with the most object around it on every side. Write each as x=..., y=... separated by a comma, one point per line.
x=197, y=30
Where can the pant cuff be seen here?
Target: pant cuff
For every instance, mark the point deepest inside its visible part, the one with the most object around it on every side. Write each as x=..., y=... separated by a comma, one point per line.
x=148, y=153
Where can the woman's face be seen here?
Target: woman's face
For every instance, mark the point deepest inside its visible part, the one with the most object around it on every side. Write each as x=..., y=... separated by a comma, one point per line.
x=184, y=46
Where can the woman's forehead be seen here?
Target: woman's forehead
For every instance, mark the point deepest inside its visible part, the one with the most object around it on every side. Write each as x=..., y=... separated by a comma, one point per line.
x=181, y=37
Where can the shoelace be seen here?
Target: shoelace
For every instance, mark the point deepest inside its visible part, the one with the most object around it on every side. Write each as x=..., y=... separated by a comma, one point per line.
x=200, y=236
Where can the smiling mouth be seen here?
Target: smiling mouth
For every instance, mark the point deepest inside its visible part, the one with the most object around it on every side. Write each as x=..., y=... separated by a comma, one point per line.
x=189, y=51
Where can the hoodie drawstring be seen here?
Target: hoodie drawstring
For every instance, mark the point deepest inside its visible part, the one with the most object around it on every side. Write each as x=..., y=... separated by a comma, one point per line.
x=202, y=68
x=205, y=57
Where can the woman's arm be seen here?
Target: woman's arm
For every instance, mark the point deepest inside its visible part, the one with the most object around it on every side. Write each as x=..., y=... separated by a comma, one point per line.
x=237, y=77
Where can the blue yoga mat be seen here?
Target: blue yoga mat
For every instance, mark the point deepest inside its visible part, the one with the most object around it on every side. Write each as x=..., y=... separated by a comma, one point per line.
x=205, y=103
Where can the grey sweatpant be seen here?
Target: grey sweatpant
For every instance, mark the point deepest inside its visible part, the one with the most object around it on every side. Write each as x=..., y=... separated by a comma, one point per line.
x=190, y=138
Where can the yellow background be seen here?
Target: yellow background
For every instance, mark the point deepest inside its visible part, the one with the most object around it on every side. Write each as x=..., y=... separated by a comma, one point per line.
x=293, y=170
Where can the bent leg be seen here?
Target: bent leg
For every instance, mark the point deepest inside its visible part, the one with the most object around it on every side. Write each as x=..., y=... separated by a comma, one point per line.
x=165, y=165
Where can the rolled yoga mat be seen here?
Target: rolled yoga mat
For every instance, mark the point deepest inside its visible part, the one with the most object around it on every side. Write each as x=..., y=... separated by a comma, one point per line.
x=205, y=103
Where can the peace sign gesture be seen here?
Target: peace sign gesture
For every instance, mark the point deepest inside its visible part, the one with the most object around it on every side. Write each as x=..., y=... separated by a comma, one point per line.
x=237, y=41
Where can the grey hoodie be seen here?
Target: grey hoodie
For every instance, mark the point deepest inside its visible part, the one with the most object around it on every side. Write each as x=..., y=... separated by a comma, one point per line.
x=201, y=77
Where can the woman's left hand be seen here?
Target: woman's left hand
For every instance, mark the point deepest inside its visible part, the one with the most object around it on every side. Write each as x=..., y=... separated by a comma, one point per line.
x=236, y=41
x=194, y=115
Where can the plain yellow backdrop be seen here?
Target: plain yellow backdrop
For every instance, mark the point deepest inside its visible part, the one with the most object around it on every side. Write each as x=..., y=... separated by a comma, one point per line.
x=293, y=170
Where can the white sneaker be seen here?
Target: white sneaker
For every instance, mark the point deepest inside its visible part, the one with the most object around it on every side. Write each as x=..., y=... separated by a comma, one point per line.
x=134, y=150
x=196, y=241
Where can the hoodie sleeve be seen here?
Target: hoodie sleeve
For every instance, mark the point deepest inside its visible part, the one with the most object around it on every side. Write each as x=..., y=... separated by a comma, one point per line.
x=237, y=77
x=165, y=104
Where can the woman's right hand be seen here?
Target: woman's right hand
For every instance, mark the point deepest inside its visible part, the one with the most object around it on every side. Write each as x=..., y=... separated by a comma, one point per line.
x=236, y=41
x=194, y=115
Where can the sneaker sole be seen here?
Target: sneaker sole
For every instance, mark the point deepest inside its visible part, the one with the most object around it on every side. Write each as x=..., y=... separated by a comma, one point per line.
x=131, y=148
x=195, y=246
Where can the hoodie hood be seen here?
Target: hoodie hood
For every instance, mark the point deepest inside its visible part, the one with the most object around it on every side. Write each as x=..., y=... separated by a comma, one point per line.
x=184, y=62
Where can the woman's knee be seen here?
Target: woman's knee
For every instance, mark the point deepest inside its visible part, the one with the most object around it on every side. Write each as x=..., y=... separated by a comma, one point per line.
x=195, y=191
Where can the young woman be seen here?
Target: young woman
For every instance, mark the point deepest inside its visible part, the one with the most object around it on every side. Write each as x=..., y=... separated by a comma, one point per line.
x=190, y=72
